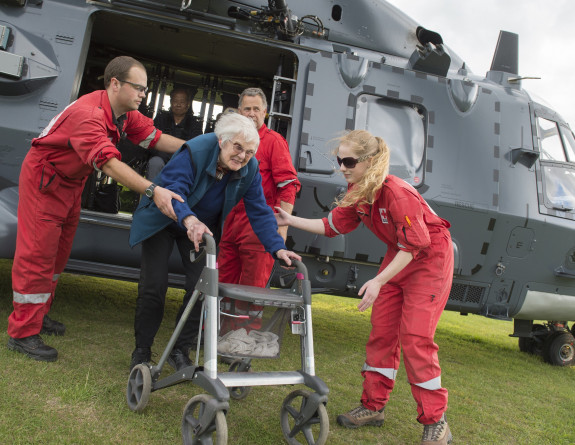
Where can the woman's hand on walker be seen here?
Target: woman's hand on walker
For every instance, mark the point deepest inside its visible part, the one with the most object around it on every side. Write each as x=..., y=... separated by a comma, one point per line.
x=287, y=256
x=195, y=229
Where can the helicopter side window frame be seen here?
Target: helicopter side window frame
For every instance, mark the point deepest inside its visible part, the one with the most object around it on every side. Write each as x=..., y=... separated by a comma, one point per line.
x=551, y=144
x=557, y=147
x=568, y=142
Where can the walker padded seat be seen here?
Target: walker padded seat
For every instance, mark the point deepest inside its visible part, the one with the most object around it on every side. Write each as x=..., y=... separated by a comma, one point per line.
x=284, y=298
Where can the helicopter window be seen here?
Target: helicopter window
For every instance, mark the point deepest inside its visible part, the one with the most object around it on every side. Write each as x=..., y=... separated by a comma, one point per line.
x=402, y=127
x=569, y=143
x=551, y=145
x=559, y=188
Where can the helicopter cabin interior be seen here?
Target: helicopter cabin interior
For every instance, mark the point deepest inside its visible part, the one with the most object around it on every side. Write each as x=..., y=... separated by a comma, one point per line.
x=214, y=67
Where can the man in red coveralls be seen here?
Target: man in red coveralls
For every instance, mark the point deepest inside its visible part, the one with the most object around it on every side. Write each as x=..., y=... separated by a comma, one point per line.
x=242, y=259
x=80, y=139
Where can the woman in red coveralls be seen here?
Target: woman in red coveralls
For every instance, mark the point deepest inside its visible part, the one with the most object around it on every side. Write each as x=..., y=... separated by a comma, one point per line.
x=410, y=290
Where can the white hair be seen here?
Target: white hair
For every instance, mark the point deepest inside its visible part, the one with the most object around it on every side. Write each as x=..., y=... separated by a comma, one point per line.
x=231, y=124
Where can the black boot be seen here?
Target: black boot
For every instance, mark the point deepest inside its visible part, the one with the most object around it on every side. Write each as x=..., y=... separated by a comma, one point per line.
x=52, y=327
x=179, y=359
x=140, y=355
x=34, y=347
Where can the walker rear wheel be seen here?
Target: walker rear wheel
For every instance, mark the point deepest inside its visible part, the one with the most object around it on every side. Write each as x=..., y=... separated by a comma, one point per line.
x=139, y=387
x=216, y=433
x=239, y=392
x=314, y=431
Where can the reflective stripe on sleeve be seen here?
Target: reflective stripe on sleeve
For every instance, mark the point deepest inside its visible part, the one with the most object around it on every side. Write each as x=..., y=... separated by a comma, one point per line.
x=330, y=222
x=390, y=373
x=432, y=384
x=283, y=184
x=146, y=142
x=31, y=298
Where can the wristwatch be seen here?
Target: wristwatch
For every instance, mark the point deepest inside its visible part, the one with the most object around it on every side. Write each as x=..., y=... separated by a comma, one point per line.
x=150, y=190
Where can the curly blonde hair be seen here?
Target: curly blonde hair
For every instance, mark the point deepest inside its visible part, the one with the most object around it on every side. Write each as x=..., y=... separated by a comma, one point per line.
x=365, y=145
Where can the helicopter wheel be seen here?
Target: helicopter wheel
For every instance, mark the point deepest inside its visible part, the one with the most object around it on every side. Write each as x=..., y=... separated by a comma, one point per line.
x=560, y=349
x=139, y=387
x=216, y=433
x=314, y=432
x=239, y=392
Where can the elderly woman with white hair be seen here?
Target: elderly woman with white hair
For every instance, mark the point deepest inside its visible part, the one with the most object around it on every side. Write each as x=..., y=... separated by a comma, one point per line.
x=213, y=172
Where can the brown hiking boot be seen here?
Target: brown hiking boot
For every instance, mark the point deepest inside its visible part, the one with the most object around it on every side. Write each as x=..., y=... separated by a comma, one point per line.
x=361, y=416
x=437, y=433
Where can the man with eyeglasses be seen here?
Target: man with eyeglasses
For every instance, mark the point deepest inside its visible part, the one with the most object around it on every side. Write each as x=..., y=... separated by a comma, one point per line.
x=79, y=140
x=242, y=258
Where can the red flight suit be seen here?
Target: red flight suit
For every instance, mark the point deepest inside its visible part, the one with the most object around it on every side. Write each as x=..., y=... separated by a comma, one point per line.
x=407, y=309
x=81, y=137
x=242, y=259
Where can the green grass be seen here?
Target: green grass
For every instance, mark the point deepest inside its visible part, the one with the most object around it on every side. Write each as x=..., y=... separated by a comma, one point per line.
x=497, y=395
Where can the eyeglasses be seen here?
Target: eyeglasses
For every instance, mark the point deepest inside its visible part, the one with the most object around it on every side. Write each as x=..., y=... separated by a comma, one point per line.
x=239, y=149
x=137, y=87
x=350, y=162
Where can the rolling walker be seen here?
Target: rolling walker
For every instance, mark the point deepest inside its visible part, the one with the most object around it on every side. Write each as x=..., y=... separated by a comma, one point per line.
x=303, y=414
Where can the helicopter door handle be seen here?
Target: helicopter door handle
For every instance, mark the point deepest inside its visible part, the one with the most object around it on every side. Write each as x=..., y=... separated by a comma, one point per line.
x=562, y=272
x=563, y=208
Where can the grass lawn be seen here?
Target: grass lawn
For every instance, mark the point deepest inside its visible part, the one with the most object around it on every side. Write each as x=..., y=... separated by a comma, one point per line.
x=497, y=395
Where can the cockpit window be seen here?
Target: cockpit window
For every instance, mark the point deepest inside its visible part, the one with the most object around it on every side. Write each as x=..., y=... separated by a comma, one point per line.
x=559, y=188
x=551, y=146
x=568, y=142
x=557, y=147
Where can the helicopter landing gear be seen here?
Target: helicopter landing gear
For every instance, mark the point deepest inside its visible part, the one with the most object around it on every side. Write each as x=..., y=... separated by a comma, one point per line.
x=553, y=341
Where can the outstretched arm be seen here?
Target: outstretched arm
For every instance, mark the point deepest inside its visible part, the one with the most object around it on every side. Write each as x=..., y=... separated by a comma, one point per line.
x=283, y=218
x=126, y=176
x=169, y=143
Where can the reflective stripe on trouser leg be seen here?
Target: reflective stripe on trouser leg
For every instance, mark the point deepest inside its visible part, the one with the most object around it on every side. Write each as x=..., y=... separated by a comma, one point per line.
x=390, y=373
x=431, y=404
x=377, y=386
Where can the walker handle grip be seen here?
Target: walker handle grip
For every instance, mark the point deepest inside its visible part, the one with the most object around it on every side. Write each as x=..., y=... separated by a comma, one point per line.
x=210, y=243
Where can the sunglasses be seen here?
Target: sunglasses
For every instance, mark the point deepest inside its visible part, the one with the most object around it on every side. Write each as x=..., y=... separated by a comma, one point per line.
x=350, y=162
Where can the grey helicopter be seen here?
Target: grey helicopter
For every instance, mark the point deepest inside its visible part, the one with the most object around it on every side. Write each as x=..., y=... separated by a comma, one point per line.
x=484, y=153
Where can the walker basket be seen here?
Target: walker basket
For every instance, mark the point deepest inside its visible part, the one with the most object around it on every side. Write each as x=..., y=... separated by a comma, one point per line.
x=252, y=321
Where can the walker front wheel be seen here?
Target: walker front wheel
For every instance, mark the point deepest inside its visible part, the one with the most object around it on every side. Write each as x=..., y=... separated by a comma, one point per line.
x=193, y=423
x=139, y=387
x=314, y=431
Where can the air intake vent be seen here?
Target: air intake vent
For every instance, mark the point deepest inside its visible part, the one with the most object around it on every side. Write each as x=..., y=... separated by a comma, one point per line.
x=64, y=40
x=46, y=104
x=465, y=293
